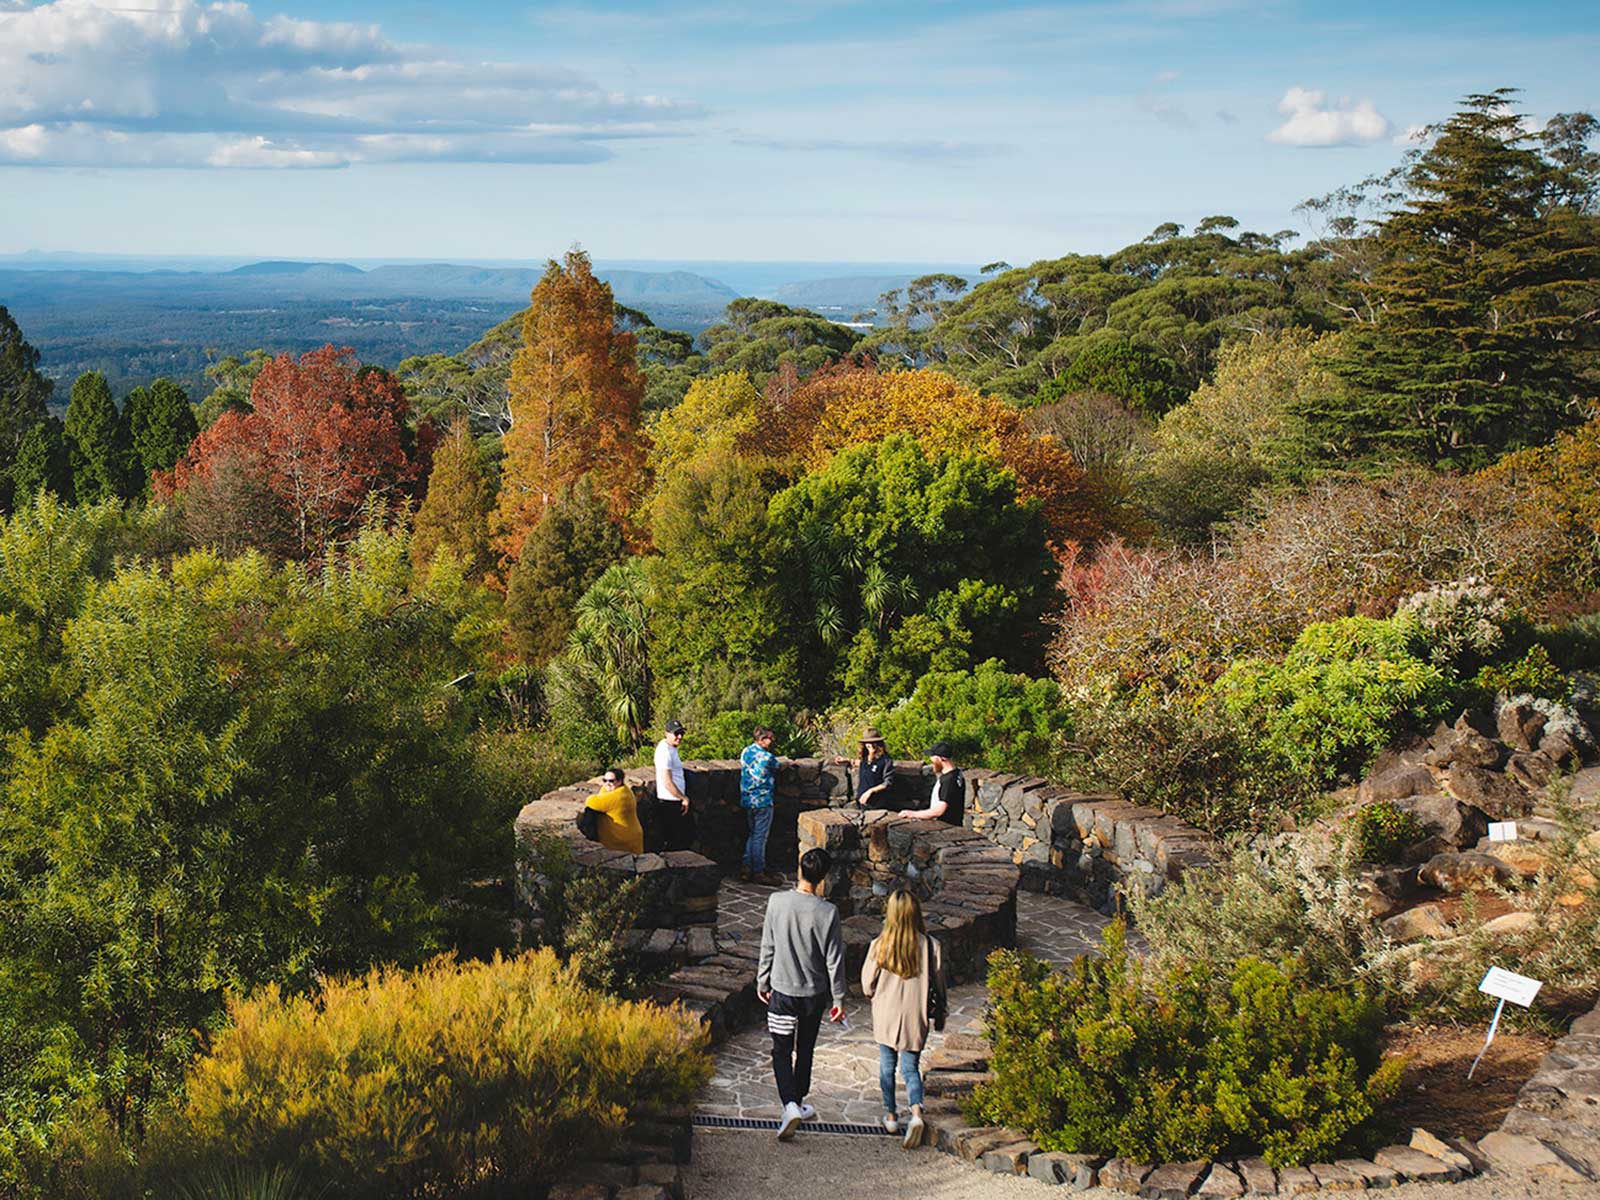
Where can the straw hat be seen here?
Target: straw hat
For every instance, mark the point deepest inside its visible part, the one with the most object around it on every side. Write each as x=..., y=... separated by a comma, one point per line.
x=870, y=734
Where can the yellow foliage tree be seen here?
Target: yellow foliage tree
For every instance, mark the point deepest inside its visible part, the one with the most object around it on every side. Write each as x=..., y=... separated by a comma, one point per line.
x=856, y=403
x=575, y=395
x=715, y=418
x=1556, y=493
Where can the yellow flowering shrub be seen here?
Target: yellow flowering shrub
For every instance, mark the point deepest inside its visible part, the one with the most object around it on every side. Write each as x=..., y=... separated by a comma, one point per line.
x=454, y=1079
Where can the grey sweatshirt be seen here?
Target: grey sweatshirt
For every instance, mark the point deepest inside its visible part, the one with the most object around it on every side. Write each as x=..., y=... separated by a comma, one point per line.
x=802, y=952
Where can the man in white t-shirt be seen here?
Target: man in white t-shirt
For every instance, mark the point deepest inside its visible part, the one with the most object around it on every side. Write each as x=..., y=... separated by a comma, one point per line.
x=672, y=801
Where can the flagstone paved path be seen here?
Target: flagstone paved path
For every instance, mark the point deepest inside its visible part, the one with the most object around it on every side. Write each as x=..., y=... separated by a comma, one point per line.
x=845, y=1075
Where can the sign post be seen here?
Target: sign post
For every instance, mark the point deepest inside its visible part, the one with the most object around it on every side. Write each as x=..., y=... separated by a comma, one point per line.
x=1504, y=985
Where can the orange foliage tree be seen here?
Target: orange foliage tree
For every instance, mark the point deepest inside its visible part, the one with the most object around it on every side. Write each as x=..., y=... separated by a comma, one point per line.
x=575, y=396
x=853, y=402
x=325, y=435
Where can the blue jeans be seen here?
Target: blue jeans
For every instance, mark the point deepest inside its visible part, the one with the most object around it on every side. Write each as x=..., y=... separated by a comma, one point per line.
x=755, y=849
x=910, y=1071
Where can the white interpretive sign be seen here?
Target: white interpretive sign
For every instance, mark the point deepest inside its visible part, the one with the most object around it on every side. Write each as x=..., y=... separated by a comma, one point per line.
x=1502, y=831
x=1504, y=985
x=1508, y=985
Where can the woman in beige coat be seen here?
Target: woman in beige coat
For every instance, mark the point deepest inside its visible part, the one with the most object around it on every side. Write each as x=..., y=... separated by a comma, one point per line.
x=903, y=966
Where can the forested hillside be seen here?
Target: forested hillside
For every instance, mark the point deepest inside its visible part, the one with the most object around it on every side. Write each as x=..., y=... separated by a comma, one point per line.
x=285, y=651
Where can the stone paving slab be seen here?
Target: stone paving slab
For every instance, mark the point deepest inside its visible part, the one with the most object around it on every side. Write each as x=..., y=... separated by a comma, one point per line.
x=845, y=1075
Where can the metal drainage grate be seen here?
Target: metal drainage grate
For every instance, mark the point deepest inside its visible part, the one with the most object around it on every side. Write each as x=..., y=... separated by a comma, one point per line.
x=706, y=1121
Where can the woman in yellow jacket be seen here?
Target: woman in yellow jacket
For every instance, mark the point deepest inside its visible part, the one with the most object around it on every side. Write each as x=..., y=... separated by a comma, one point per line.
x=619, y=814
x=903, y=967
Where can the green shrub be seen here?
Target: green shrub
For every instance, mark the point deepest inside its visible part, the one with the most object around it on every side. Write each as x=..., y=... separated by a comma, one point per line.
x=992, y=717
x=1111, y=1059
x=1340, y=695
x=1382, y=831
x=453, y=1079
x=1194, y=761
x=244, y=1183
x=585, y=917
x=1296, y=897
x=1463, y=625
x=727, y=733
x=1575, y=644
x=1531, y=675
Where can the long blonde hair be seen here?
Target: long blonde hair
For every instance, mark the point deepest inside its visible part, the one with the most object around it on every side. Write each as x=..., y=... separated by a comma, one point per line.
x=900, y=943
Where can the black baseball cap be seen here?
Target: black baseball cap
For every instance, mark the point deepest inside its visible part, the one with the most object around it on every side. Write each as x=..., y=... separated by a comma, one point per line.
x=939, y=750
x=673, y=726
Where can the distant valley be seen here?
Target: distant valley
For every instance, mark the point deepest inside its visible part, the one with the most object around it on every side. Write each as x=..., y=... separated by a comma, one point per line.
x=135, y=319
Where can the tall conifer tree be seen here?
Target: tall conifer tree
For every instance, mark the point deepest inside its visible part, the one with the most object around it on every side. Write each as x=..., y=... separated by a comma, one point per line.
x=1485, y=293
x=575, y=396
x=24, y=394
x=455, y=513
x=97, y=441
x=161, y=426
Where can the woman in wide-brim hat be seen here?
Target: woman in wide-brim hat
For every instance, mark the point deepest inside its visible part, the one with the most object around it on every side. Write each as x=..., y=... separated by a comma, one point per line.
x=874, y=770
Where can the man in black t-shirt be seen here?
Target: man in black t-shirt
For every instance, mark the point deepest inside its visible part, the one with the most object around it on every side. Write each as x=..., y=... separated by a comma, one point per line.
x=948, y=802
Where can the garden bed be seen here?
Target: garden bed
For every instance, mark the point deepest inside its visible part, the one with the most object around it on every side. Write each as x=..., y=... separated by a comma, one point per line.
x=1434, y=1091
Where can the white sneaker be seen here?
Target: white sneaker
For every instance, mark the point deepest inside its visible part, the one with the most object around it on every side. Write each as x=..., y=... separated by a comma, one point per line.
x=807, y=1113
x=914, y=1132
x=789, y=1123
x=891, y=1123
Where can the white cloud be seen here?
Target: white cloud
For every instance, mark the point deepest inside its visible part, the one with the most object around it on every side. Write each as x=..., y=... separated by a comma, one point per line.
x=1313, y=122
x=182, y=83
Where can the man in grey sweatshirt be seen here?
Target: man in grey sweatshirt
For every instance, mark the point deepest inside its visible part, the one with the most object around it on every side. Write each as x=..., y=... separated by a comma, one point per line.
x=802, y=966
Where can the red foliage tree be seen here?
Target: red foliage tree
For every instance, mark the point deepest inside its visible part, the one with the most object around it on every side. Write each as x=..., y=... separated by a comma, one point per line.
x=325, y=435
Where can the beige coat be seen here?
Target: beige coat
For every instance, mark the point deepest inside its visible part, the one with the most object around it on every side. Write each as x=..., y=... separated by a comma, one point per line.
x=900, y=1005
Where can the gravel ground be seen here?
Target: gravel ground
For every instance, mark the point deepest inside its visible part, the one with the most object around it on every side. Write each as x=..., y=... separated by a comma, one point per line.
x=738, y=1165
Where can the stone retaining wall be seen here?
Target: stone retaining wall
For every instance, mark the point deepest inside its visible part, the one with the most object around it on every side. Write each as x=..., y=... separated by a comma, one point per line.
x=967, y=885
x=1081, y=844
x=1063, y=842
x=1554, y=1128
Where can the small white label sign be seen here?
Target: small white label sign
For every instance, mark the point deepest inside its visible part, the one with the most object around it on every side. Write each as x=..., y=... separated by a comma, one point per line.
x=1502, y=831
x=1508, y=985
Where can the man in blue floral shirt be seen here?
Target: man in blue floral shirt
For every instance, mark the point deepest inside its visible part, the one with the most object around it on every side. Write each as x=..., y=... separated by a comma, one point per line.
x=758, y=776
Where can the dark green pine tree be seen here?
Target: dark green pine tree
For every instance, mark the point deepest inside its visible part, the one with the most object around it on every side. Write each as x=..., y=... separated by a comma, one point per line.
x=24, y=394
x=43, y=464
x=97, y=441
x=161, y=424
x=1485, y=290
x=571, y=546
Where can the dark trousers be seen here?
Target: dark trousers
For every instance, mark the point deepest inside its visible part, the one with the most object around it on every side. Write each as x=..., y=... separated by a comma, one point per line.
x=673, y=828
x=793, y=1022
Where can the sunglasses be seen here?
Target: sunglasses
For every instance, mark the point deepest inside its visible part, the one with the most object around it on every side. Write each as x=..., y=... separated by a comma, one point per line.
x=611, y=779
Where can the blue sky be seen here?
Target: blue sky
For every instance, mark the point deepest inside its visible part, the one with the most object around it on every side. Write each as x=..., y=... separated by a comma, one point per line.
x=812, y=129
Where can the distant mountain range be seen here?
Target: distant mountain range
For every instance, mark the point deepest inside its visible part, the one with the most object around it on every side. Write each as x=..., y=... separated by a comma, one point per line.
x=137, y=318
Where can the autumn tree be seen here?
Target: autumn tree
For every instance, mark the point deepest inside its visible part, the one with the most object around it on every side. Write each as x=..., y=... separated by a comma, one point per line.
x=97, y=441
x=454, y=515
x=567, y=551
x=853, y=403
x=161, y=425
x=326, y=437
x=575, y=395
x=24, y=394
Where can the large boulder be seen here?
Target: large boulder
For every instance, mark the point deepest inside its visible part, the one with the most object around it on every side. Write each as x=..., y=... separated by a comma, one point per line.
x=1463, y=743
x=1491, y=791
x=1450, y=824
x=1395, y=782
x=1456, y=872
x=1521, y=725
x=1424, y=921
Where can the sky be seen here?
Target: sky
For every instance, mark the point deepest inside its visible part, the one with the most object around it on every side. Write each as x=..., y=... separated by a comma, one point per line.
x=889, y=130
